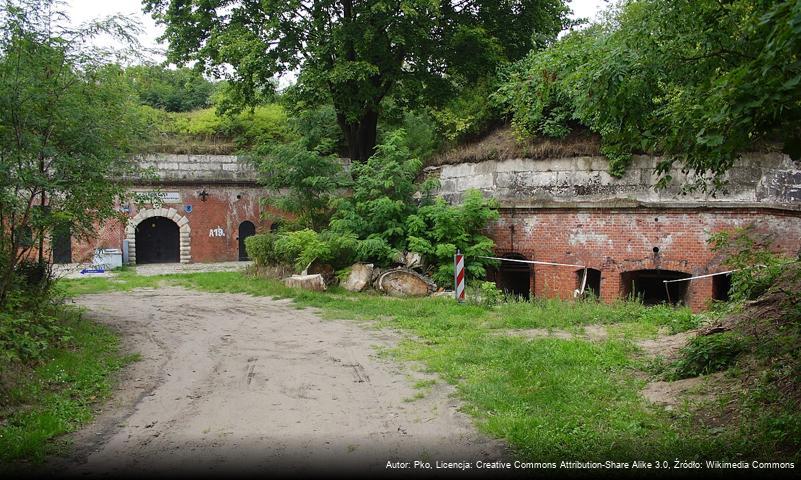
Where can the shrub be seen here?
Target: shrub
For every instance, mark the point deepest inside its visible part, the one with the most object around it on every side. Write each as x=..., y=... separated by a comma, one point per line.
x=486, y=294
x=749, y=252
x=438, y=230
x=301, y=247
x=708, y=354
x=261, y=248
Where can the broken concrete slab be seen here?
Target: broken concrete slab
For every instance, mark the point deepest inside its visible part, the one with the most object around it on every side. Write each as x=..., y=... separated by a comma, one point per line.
x=413, y=260
x=401, y=282
x=308, y=282
x=359, y=278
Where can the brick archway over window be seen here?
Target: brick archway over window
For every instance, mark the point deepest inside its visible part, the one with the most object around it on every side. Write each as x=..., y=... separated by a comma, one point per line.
x=172, y=214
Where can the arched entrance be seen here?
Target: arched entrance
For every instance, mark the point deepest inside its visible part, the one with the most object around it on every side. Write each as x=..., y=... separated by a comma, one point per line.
x=157, y=241
x=132, y=232
x=246, y=229
x=514, y=278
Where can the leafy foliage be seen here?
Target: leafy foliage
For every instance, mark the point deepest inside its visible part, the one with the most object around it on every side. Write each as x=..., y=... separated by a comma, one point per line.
x=68, y=124
x=380, y=219
x=749, y=253
x=700, y=82
x=439, y=230
x=381, y=201
x=304, y=182
x=180, y=90
x=261, y=248
x=354, y=54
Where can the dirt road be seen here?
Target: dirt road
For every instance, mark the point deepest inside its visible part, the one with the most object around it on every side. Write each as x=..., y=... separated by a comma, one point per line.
x=234, y=383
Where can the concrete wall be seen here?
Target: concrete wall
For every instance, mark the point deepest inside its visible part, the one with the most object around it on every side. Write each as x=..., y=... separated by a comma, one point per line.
x=757, y=179
x=199, y=168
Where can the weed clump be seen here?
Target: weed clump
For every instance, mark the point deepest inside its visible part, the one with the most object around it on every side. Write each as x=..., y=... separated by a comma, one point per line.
x=708, y=354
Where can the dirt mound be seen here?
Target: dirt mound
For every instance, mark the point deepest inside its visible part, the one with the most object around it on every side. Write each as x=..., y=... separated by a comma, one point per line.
x=503, y=144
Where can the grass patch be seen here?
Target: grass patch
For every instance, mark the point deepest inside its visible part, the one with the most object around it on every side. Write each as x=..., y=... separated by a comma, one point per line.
x=57, y=395
x=550, y=398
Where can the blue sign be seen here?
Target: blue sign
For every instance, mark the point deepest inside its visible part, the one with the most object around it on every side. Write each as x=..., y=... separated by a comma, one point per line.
x=188, y=208
x=92, y=270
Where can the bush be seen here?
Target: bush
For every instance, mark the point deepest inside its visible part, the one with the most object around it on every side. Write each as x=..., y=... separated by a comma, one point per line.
x=29, y=323
x=301, y=247
x=261, y=248
x=749, y=253
x=708, y=354
x=438, y=230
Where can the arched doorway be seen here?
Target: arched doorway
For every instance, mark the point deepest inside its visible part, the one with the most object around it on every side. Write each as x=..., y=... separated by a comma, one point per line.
x=157, y=241
x=514, y=278
x=246, y=229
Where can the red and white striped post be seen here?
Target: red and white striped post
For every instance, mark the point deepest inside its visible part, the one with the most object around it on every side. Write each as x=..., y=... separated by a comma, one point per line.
x=458, y=275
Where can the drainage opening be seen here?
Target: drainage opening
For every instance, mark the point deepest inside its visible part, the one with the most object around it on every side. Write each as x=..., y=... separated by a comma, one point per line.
x=649, y=286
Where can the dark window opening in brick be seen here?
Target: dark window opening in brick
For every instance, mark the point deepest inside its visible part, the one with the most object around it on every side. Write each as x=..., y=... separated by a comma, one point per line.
x=246, y=229
x=157, y=241
x=721, y=286
x=62, y=244
x=648, y=286
x=514, y=278
x=592, y=286
x=275, y=226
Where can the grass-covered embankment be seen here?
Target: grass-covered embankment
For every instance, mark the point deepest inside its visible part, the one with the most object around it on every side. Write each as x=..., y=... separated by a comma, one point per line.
x=551, y=398
x=57, y=394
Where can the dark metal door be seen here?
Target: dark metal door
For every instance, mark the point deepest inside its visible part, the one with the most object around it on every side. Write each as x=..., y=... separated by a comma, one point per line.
x=157, y=241
x=246, y=229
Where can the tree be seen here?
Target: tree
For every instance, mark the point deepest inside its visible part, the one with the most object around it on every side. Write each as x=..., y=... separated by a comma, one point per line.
x=698, y=82
x=180, y=90
x=354, y=53
x=67, y=123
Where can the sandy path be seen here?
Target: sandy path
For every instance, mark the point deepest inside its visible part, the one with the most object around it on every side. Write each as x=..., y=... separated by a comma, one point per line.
x=230, y=382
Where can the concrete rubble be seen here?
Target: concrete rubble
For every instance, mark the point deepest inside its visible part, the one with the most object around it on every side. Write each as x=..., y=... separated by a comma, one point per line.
x=402, y=282
x=309, y=282
x=360, y=277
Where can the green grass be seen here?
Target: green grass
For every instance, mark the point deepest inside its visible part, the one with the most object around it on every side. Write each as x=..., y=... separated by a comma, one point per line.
x=549, y=398
x=58, y=395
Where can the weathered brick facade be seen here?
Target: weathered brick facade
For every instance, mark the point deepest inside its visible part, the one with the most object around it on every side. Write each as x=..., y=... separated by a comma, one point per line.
x=616, y=241
x=213, y=224
x=569, y=210
x=207, y=197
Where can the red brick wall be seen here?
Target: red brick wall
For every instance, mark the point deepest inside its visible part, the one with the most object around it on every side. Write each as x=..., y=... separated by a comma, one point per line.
x=221, y=209
x=616, y=241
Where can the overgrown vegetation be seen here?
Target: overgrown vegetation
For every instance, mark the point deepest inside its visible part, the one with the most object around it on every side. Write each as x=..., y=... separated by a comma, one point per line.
x=69, y=124
x=700, y=82
x=68, y=128
x=57, y=394
x=386, y=214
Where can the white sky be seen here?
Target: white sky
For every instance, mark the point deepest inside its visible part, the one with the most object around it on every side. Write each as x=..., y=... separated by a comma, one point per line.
x=81, y=11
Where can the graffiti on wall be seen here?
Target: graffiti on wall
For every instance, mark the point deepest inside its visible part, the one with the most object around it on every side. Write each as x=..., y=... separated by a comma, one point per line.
x=216, y=232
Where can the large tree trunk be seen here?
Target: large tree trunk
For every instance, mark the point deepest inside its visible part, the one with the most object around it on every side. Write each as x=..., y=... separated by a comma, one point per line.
x=360, y=135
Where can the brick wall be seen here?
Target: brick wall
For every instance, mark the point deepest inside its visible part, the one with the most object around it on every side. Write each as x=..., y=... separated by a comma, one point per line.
x=620, y=240
x=223, y=210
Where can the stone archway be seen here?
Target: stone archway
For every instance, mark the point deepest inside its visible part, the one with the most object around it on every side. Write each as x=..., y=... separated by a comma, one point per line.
x=170, y=213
